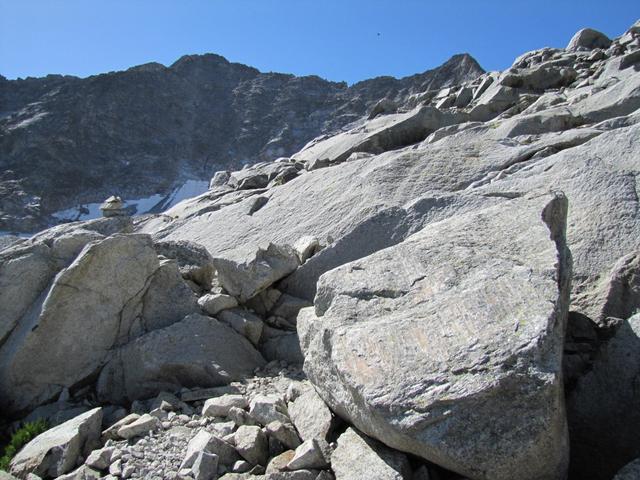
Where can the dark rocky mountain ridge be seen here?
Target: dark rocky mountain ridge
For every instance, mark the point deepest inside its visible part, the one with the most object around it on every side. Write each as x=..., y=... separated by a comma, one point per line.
x=66, y=140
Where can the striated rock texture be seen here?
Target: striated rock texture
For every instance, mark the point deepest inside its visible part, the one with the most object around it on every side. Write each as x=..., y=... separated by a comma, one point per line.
x=455, y=333
x=66, y=140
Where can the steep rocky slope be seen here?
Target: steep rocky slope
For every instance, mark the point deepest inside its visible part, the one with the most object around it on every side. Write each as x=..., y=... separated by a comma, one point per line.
x=66, y=141
x=457, y=273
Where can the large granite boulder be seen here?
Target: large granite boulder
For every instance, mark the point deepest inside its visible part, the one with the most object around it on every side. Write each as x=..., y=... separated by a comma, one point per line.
x=90, y=307
x=449, y=345
x=198, y=351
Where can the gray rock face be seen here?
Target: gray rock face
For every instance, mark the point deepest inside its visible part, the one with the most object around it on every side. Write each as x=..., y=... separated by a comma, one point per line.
x=197, y=116
x=603, y=408
x=410, y=343
x=56, y=451
x=197, y=351
x=438, y=267
x=360, y=458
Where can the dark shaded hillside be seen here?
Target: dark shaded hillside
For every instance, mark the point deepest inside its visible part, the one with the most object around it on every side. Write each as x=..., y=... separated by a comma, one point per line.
x=65, y=140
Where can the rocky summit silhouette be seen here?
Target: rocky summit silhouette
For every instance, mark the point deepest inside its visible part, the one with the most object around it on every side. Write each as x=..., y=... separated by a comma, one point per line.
x=445, y=285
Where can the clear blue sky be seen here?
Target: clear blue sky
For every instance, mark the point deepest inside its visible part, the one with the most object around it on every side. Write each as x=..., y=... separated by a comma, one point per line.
x=336, y=39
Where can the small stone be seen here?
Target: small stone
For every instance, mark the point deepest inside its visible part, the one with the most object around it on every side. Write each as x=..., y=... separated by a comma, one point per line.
x=115, y=468
x=357, y=456
x=159, y=414
x=213, y=303
x=267, y=409
x=279, y=462
x=141, y=426
x=128, y=471
x=219, y=406
x=222, y=429
x=285, y=433
x=251, y=443
x=241, y=417
x=294, y=390
x=100, y=459
x=205, y=466
x=112, y=431
x=241, y=466
x=313, y=453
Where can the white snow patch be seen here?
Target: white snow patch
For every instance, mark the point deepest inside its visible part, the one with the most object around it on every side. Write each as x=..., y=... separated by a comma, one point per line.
x=154, y=204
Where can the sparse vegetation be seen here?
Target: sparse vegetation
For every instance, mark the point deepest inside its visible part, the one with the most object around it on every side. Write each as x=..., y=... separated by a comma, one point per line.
x=19, y=439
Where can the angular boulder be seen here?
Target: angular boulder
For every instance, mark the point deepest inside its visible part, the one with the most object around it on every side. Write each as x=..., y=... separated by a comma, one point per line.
x=244, y=322
x=90, y=307
x=220, y=406
x=197, y=351
x=449, y=345
x=311, y=416
x=246, y=271
x=56, y=451
x=168, y=299
x=360, y=458
x=194, y=261
x=252, y=444
x=213, y=303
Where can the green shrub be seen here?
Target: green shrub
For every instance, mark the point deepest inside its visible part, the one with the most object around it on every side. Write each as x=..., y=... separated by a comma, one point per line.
x=19, y=439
